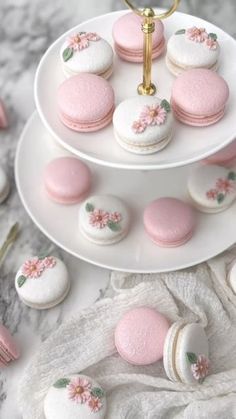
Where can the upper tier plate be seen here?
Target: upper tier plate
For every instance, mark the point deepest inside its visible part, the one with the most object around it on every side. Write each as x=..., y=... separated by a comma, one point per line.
x=189, y=144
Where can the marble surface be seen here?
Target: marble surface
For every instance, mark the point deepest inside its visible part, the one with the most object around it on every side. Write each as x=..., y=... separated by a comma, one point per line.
x=27, y=28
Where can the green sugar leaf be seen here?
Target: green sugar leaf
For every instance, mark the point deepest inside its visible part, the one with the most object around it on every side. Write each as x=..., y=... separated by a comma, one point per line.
x=180, y=32
x=21, y=280
x=232, y=176
x=113, y=226
x=67, y=54
x=89, y=207
x=220, y=198
x=213, y=36
x=97, y=392
x=191, y=357
x=61, y=383
x=165, y=105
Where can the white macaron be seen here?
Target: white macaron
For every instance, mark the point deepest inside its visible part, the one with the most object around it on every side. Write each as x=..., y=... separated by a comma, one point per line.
x=212, y=188
x=75, y=397
x=186, y=353
x=86, y=52
x=143, y=125
x=4, y=186
x=192, y=48
x=42, y=282
x=104, y=219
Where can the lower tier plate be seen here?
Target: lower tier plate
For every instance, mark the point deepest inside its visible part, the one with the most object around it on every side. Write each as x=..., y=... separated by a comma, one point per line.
x=136, y=253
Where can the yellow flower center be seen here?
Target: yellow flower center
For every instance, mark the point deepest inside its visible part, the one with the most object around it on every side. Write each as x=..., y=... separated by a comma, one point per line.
x=153, y=113
x=79, y=390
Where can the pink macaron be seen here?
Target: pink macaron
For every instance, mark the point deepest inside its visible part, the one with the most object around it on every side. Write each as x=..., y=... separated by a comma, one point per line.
x=3, y=116
x=225, y=157
x=9, y=350
x=199, y=97
x=169, y=222
x=85, y=102
x=67, y=180
x=128, y=38
x=140, y=335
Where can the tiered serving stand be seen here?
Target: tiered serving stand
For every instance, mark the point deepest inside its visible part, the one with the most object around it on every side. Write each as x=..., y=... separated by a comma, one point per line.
x=136, y=179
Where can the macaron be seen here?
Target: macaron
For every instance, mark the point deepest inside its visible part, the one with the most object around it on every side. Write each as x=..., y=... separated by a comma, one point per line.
x=143, y=124
x=67, y=180
x=75, y=397
x=3, y=116
x=225, y=157
x=199, y=97
x=104, y=219
x=85, y=102
x=140, y=335
x=9, y=350
x=169, y=222
x=86, y=52
x=212, y=188
x=192, y=48
x=128, y=38
x=232, y=277
x=42, y=282
x=4, y=186
x=186, y=353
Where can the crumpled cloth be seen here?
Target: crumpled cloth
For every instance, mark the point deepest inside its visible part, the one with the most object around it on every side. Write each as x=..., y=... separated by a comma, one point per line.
x=85, y=343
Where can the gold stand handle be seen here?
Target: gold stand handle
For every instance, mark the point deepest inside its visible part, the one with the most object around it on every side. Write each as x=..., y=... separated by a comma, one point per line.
x=148, y=27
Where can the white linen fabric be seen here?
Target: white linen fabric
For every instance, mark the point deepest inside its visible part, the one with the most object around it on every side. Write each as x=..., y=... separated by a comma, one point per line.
x=85, y=344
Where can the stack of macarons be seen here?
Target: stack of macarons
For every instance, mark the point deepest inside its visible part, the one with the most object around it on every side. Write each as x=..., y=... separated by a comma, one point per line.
x=9, y=350
x=144, y=336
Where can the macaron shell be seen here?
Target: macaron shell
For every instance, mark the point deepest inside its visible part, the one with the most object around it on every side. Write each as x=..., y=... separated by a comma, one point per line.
x=225, y=157
x=47, y=290
x=3, y=116
x=108, y=204
x=169, y=350
x=95, y=59
x=200, y=92
x=85, y=100
x=191, y=338
x=169, y=222
x=140, y=336
x=210, y=189
x=8, y=347
x=177, y=70
x=67, y=180
x=59, y=405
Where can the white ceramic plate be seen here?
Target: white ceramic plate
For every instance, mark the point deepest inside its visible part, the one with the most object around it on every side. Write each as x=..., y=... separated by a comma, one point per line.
x=189, y=145
x=136, y=253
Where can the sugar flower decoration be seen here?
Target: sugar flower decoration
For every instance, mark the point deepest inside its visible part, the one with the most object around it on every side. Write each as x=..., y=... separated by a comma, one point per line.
x=99, y=218
x=139, y=126
x=78, y=42
x=33, y=268
x=95, y=404
x=115, y=216
x=79, y=390
x=222, y=188
x=49, y=262
x=196, y=34
x=211, y=43
x=200, y=369
x=153, y=115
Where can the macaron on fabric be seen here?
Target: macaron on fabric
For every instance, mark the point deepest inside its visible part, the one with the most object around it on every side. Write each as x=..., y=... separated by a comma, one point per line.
x=67, y=180
x=128, y=38
x=140, y=335
x=4, y=186
x=169, y=222
x=104, y=219
x=186, y=353
x=212, y=188
x=199, y=97
x=86, y=52
x=3, y=116
x=75, y=397
x=192, y=48
x=143, y=125
x=225, y=157
x=85, y=102
x=42, y=282
x=9, y=350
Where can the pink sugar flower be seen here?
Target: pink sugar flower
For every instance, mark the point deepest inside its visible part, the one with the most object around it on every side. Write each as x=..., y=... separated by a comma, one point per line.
x=196, y=34
x=211, y=43
x=78, y=42
x=201, y=368
x=95, y=404
x=92, y=36
x=153, y=115
x=115, y=217
x=33, y=268
x=99, y=218
x=138, y=127
x=49, y=262
x=212, y=194
x=79, y=390
x=224, y=185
